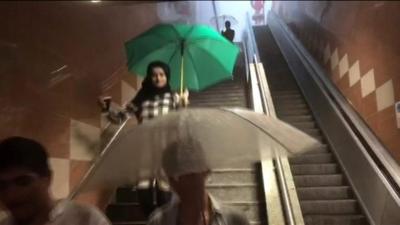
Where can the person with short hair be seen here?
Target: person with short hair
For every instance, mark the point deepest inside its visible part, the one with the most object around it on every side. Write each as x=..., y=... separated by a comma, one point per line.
x=25, y=179
x=187, y=170
x=228, y=33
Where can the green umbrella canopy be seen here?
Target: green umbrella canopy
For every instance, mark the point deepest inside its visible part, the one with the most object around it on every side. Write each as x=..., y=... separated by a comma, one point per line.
x=207, y=56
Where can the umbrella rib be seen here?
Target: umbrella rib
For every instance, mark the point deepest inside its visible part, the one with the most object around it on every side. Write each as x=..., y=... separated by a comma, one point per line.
x=212, y=56
x=195, y=66
x=154, y=50
x=257, y=126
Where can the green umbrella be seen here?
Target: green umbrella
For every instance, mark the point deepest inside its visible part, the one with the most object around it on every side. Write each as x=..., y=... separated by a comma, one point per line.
x=197, y=55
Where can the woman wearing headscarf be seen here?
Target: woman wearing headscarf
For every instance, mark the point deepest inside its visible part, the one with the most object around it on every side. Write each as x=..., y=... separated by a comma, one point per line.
x=155, y=98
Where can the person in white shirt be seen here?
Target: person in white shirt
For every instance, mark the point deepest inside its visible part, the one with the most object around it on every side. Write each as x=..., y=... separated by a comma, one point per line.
x=186, y=167
x=25, y=179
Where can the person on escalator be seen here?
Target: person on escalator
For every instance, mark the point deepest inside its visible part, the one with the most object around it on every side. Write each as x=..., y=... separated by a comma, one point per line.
x=155, y=98
x=228, y=33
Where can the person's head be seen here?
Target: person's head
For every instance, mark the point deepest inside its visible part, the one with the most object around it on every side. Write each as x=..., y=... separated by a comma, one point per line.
x=25, y=177
x=187, y=169
x=158, y=73
x=227, y=24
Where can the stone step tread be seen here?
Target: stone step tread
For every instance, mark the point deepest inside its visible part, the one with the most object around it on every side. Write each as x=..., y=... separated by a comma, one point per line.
x=332, y=207
x=290, y=106
x=319, y=180
x=325, y=193
x=296, y=118
x=312, y=158
x=315, y=169
x=355, y=219
x=228, y=185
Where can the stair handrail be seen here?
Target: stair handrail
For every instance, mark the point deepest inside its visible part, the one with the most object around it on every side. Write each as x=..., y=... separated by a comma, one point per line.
x=290, y=201
x=98, y=159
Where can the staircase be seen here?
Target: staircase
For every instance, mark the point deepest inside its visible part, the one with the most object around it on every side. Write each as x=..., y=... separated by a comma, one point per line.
x=324, y=193
x=238, y=187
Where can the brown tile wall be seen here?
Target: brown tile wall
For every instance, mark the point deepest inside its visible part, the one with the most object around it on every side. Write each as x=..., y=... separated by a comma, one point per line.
x=36, y=39
x=367, y=32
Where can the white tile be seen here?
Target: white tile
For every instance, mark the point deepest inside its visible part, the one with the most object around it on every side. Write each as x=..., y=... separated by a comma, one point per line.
x=84, y=140
x=343, y=65
x=354, y=73
x=327, y=53
x=127, y=92
x=385, y=95
x=334, y=59
x=367, y=83
x=61, y=172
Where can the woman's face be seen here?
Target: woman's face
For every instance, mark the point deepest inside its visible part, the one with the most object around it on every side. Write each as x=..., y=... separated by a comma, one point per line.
x=158, y=77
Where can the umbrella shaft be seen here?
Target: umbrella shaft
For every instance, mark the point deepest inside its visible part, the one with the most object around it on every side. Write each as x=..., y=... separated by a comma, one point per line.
x=181, y=75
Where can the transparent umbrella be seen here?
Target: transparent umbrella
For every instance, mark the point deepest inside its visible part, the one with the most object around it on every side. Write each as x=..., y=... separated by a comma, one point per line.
x=227, y=137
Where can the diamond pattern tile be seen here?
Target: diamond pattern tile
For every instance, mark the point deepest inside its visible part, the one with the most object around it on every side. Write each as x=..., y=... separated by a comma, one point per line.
x=385, y=95
x=354, y=73
x=368, y=83
x=343, y=65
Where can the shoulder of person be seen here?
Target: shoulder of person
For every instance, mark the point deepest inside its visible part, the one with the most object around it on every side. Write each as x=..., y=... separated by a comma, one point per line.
x=83, y=213
x=156, y=217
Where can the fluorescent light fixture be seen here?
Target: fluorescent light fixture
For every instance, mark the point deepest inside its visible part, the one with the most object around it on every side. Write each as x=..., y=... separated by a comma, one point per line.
x=95, y=1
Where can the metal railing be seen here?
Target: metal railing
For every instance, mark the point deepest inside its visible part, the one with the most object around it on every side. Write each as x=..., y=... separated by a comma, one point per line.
x=99, y=158
x=375, y=166
x=289, y=202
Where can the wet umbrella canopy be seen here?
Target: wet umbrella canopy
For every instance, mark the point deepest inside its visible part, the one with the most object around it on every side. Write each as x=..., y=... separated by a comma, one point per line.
x=197, y=55
x=226, y=138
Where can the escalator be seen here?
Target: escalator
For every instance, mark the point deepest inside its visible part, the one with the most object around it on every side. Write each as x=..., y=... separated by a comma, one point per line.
x=238, y=187
x=324, y=192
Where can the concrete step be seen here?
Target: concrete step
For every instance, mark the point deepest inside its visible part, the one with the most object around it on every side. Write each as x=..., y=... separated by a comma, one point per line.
x=330, y=207
x=296, y=118
x=322, y=158
x=335, y=220
x=323, y=149
x=217, y=94
x=315, y=169
x=304, y=125
x=290, y=106
x=254, y=211
x=228, y=91
x=297, y=112
x=287, y=101
x=214, y=102
x=319, y=180
x=238, y=192
x=325, y=193
x=232, y=176
x=217, y=97
x=218, y=104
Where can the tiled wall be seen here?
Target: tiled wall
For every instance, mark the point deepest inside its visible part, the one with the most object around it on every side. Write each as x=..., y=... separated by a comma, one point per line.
x=55, y=60
x=358, y=44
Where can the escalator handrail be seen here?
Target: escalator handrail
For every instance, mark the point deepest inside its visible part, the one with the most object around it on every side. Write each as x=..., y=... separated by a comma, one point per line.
x=372, y=146
x=269, y=109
